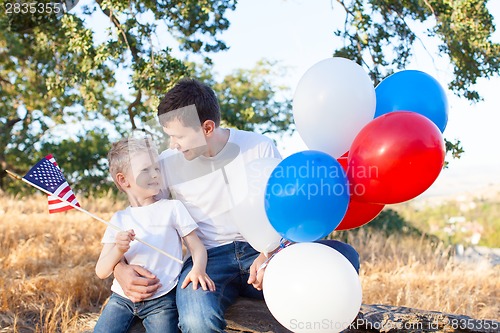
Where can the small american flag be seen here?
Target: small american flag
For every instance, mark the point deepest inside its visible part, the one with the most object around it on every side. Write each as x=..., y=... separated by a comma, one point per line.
x=47, y=175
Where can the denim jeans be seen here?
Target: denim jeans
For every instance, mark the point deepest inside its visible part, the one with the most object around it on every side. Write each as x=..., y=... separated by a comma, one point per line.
x=347, y=250
x=158, y=315
x=228, y=266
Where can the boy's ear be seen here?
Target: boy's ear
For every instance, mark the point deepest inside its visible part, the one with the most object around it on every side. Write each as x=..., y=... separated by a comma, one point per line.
x=208, y=127
x=121, y=180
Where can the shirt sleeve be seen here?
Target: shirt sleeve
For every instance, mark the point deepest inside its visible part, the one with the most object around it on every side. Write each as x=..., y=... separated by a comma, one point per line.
x=269, y=149
x=184, y=223
x=110, y=233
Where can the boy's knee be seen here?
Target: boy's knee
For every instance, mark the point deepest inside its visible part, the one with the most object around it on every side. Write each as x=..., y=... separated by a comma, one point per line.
x=196, y=323
x=199, y=311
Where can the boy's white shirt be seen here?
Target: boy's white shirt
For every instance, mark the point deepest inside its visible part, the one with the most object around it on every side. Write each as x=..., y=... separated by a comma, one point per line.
x=210, y=186
x=161, y=224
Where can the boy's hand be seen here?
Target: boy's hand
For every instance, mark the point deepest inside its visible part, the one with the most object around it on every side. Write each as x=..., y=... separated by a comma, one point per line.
x=123, y=239
x=198, y=276
x=256, y=273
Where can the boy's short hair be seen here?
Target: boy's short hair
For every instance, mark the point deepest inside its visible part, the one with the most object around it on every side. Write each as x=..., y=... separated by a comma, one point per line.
x=119, y=155
x=185, y=97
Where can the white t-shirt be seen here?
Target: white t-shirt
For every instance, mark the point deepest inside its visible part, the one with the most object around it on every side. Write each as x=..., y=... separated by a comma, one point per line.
x=160, y=224
x=210, y=187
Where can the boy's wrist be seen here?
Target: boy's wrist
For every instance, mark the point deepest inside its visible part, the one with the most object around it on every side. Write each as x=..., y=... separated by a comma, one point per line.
x=198, y=267
x=120, y=264
x=284, y=243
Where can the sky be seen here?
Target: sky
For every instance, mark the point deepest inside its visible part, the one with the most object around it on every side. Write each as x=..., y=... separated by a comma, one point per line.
x=299, y=33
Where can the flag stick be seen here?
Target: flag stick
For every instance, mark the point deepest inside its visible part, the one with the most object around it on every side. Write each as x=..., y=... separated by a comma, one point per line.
x=16, y=176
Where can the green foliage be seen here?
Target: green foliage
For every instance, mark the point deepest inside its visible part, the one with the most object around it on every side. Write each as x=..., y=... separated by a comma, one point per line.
x=84, y=152
x=250, y=100
x=454, y=149
x=488, y=215
x=450, y=223
x=59, y=76
x=456, y=221
x=47, y=73
x=388, y=222
x=380, y=35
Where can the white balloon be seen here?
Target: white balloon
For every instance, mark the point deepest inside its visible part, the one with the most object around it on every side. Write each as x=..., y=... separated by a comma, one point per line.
x=249, y=215
x=333, y=101
x=310, y=287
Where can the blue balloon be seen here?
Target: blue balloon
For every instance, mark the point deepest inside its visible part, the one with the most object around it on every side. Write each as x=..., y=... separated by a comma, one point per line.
x=416, y=91
x=306, y=196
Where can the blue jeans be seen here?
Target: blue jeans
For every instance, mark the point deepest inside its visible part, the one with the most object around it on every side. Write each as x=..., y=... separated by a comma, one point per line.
x=347, y=250
x=228, y=266
x=158, y=315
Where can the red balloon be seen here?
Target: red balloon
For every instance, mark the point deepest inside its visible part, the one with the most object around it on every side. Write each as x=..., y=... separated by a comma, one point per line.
x=343, y=161
x=395, y=157
x=358, y=213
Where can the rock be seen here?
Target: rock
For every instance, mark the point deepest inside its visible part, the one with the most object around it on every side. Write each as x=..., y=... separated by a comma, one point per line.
x=252, y=316
x=249, y=315
x=386, y=318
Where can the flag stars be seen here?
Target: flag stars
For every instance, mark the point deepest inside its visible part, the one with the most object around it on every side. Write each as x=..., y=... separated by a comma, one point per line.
x=47, y=176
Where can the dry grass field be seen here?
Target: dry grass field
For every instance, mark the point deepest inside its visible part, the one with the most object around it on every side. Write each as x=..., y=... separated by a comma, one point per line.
x=48, y=284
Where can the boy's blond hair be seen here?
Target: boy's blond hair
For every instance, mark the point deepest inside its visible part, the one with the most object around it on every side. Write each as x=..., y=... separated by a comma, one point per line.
x=120, y=154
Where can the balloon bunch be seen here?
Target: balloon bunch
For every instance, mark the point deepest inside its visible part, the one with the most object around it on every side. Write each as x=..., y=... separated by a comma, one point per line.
x=368, y=147
x=400, y=153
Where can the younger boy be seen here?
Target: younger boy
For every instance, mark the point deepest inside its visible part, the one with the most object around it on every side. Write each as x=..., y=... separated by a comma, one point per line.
x=133, y=164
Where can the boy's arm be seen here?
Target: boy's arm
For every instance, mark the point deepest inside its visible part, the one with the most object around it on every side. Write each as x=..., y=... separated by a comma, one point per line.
x=198, y=271
x=108, y=259
x=112, y=253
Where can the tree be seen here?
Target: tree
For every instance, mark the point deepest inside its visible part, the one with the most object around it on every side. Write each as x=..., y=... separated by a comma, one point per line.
x=251, y=100
x=57, y=79
x=380, y=35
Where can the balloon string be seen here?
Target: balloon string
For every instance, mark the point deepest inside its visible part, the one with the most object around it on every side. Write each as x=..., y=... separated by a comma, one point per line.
x=283, y=243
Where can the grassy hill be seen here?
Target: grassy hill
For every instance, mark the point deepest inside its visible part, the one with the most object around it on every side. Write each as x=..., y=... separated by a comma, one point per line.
x=467, y=219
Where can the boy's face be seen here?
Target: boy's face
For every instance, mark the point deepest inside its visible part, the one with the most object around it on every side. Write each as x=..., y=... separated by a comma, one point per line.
x=188, y=140
x=144, y=174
